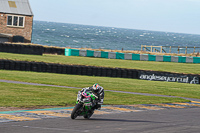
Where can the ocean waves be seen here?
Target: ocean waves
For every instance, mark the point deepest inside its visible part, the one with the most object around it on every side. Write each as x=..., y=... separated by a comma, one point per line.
x=82, y=36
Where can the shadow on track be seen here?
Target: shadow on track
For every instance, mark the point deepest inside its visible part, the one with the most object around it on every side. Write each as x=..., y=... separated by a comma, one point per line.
x=117, y=120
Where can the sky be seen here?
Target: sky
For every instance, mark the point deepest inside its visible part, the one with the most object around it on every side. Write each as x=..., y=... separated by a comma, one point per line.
x=180, y=16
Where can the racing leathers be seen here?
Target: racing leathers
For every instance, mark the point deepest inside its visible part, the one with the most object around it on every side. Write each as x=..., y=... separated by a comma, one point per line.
x=99, y=96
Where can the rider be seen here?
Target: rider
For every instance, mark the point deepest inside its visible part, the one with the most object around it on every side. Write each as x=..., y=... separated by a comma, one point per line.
x=98, y=92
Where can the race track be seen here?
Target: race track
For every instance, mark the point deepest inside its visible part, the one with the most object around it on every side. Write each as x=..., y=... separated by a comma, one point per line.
x=171, y=120
x=143, y=118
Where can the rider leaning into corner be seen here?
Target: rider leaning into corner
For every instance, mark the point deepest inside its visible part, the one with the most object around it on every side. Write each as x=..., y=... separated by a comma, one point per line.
x=98, y=92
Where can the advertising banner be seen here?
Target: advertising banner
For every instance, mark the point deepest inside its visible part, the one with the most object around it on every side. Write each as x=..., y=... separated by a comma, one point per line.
x=169, y=77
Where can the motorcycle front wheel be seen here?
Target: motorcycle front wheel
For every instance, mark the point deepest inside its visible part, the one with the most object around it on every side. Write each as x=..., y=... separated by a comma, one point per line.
x=75, y=111
x=89, y=114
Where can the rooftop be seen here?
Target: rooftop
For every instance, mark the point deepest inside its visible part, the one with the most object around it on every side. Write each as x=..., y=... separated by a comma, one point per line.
x=20, y=7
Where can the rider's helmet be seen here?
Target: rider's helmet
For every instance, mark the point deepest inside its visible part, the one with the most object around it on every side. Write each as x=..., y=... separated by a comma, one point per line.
x=96, y=87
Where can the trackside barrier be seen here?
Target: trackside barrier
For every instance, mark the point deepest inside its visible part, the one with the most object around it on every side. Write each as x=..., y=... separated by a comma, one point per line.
x=130, y=56
x=53, y=50
x=98, y=71
x=67, y=69
x=30, y=49
x=21, y=49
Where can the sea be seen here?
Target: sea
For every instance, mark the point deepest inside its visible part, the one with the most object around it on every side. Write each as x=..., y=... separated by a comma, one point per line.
x=112, y=38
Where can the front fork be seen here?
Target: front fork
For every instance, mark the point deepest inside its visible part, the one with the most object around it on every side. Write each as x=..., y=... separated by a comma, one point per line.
x=84, y=110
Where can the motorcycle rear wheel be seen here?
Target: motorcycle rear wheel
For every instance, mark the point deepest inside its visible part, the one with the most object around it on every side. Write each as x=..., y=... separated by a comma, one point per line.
x=74, y=113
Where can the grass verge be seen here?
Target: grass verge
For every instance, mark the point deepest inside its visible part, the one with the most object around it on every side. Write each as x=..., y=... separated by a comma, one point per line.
x=15, y=95
x=26, y=96
x=143, y=65
x=120, y=84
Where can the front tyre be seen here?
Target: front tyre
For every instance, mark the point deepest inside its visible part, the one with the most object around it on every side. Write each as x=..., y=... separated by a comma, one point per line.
x=75, y=111
x=88, y=115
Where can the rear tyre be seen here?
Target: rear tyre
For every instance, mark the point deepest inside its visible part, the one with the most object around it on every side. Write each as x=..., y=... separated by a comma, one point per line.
x=75, y=111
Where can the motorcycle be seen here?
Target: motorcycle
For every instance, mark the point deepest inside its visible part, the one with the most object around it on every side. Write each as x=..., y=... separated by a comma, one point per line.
x=84, y=105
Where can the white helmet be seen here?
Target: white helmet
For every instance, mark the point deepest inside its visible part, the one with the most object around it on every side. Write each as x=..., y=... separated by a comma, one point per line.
x=96, y=87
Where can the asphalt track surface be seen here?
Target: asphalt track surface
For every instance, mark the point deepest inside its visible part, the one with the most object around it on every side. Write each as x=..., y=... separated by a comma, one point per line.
x=160, y=121
x=161, y=118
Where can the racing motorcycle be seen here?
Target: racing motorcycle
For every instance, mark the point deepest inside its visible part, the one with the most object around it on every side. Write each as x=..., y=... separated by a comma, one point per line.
x=84, y=105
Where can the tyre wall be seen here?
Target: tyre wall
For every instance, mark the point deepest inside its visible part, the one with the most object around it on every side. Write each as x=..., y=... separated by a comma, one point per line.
x=21, y=49
x=53, y=50
x=98, y=71
x=30, y=49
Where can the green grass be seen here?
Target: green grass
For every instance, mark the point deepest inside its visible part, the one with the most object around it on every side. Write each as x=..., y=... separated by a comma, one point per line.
x=120, y=84
x=17, y=95
x=143, y=65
